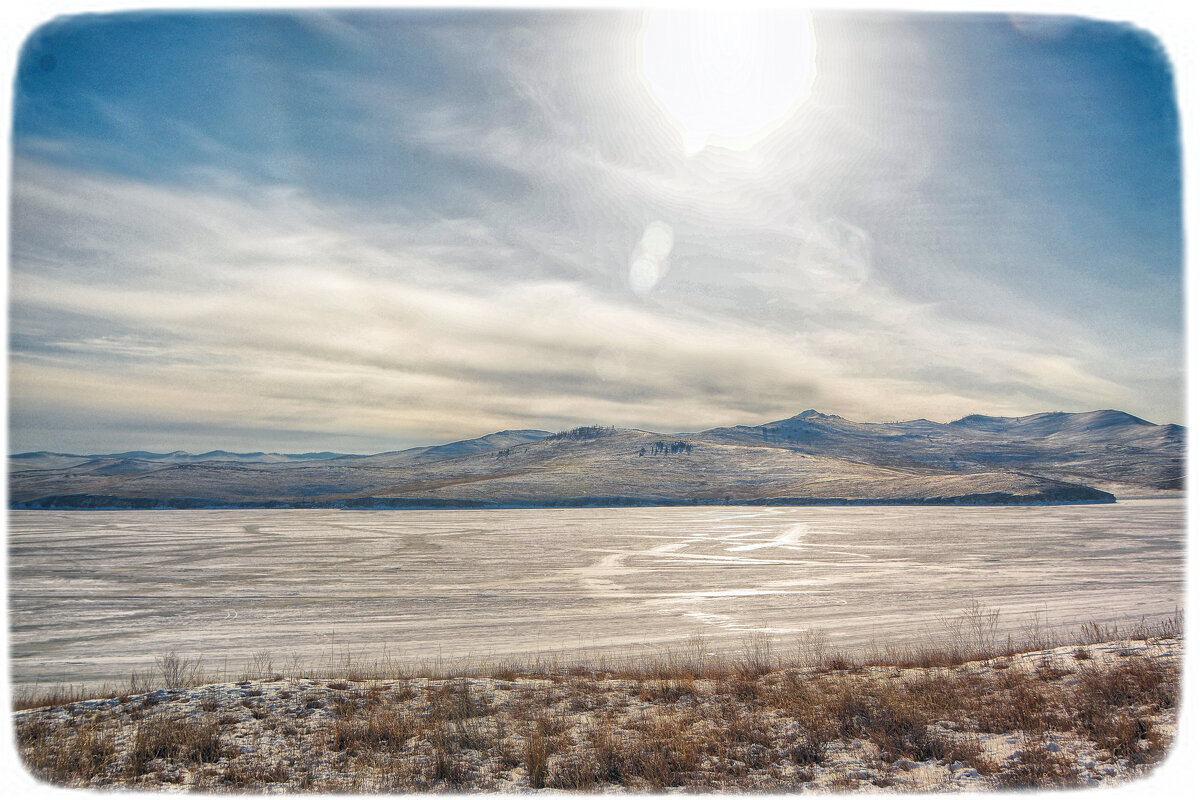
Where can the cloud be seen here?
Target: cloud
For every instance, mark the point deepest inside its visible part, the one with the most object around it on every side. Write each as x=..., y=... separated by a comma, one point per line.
x=449, y=269
x=227, y=311
x=223, y=308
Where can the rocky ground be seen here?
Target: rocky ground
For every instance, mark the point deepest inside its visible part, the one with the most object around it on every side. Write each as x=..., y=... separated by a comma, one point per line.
x=1090, y=715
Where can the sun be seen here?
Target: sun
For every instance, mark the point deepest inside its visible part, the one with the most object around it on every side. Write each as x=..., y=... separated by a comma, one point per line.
x=726, y=77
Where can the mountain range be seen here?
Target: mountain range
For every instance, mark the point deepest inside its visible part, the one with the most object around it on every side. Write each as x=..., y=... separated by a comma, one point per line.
x=811, y=458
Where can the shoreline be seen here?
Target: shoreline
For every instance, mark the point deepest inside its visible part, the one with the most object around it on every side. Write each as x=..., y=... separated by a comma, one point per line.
x=109, y=503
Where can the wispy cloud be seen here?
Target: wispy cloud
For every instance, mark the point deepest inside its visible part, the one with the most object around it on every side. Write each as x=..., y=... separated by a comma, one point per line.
x=826, y=269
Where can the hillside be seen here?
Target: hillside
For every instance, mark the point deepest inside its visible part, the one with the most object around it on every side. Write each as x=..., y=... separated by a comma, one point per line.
x=808, y=458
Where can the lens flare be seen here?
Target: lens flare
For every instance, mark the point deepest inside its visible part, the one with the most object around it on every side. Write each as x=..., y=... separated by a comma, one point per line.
x=726, y=78
x=648, y=263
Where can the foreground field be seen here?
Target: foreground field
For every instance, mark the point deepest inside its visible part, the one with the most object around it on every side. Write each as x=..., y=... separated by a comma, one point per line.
x=1079, y=715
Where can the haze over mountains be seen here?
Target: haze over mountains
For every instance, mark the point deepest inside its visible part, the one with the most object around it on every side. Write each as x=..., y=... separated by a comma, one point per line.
x=807, y=459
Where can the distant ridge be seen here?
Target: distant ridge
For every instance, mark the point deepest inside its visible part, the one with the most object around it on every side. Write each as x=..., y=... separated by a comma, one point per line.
x=809, y=458
x=1054, y=421
x=47, y=460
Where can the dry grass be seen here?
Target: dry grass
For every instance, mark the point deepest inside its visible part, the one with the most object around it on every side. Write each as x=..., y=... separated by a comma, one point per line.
x=758, y=720
x=971, y=636
x=169, y=738
x=67, y=756
x=1035, y=767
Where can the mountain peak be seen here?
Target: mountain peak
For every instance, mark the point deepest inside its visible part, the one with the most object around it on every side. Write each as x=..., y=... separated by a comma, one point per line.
x=812, y=413
x=1112, y=417
x=977, y=418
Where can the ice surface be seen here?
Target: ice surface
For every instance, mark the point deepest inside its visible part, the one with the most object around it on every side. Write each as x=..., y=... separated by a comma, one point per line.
x=94, y=595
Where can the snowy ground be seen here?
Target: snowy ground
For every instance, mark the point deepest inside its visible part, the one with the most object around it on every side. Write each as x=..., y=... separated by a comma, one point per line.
x=94, y=596
x=780, y=731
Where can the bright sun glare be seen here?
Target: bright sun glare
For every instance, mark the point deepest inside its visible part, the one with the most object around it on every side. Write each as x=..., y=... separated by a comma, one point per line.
x=727, y=78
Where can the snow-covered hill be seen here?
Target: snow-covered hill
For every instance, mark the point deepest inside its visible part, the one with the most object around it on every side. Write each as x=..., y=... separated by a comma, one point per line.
x=808, y=458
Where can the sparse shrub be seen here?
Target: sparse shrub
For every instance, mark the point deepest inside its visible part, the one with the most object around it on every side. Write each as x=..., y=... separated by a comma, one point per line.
x=971, y=636
x=1035, y=635
x=812, y=647
x=756, y=657
x=177, y=671
x=260, y=667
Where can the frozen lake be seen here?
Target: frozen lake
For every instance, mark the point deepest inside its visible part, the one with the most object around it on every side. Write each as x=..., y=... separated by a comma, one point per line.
x=94, y=595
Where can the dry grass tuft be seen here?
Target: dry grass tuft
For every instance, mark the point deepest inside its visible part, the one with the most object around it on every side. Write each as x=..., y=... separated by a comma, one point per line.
x=170, y=738
x=1036, y=767
x=537, y=758
x=386, y=727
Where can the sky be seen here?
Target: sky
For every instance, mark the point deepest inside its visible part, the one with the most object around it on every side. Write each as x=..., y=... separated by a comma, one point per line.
x=367, y=230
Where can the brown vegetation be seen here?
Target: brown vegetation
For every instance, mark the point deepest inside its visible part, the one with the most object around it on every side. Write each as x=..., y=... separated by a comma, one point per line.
x=1061, y=717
